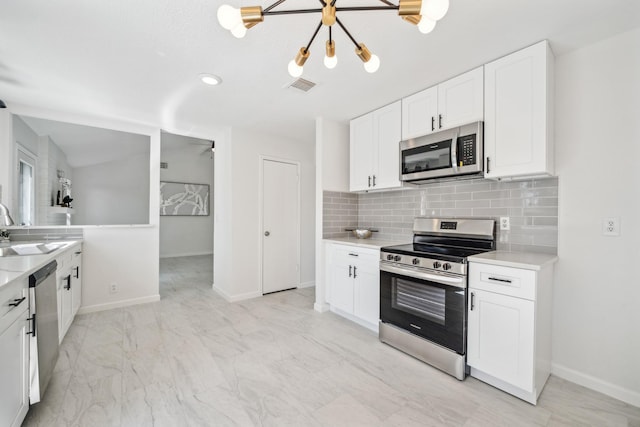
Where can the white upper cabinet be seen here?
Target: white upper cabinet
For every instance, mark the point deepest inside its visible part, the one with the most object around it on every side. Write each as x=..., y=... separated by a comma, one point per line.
x=419, y=113
x=518, y=128
x=456, y=102
x=375, y=149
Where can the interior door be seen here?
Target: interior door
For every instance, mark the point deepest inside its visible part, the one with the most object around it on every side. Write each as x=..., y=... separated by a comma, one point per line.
x=280, y=226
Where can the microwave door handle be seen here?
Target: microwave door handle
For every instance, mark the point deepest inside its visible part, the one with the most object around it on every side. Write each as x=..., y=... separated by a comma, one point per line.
x=454, y=152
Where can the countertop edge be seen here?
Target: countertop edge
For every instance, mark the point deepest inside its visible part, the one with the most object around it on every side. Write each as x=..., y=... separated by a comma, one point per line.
x=523, y=260
x=362, y=243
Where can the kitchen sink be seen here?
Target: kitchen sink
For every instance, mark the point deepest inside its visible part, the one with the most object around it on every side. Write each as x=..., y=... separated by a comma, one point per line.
x=29, y=249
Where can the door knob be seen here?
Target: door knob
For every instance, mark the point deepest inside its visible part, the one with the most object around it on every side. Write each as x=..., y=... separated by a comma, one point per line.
x=266, y=233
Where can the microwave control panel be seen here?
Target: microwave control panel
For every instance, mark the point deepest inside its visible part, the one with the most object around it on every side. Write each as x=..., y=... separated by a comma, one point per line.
x=467, y=150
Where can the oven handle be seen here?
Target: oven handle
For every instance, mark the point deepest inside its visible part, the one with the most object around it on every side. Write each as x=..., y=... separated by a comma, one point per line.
x=458, y=282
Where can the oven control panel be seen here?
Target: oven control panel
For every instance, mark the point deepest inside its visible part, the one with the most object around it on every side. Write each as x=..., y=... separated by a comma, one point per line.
x=412, y=261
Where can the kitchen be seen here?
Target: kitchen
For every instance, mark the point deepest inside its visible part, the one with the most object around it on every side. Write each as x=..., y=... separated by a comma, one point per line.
x=584, y=342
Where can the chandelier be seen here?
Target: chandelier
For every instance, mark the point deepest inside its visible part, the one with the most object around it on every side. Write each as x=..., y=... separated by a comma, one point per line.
x=421, y=13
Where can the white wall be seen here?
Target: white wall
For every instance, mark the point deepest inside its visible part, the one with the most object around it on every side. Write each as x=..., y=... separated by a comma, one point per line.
x=596, y=341
x=245, y=235
x=114, y=192
x=332, y=173
x=187, y=235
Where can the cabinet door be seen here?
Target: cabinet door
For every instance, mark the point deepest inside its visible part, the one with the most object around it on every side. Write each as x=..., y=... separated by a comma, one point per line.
x=342, y=287
x=501, y=337
x=76, y=284
x=14, y=372
x=366, y=304
x=460, y=100
x=361, y=153
x=419, y=113
x=517, y=130
x=387, y=156
x=65, y=301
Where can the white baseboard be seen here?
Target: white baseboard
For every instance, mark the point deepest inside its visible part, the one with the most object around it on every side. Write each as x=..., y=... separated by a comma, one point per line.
x=624, y=394
x=359, y=321
x=309, y=284
x=118, y=304
x=321, y=307
x=234, y=298
x=184, y=254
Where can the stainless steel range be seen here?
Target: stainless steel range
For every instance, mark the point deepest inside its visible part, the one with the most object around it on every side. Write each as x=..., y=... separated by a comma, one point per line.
x=423, y=290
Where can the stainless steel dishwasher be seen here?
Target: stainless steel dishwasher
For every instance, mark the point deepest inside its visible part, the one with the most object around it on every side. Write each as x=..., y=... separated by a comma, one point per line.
x=43, y=311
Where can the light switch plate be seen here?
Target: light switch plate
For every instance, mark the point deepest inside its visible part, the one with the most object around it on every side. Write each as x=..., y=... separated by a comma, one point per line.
x=505, y=224
x=611, y=226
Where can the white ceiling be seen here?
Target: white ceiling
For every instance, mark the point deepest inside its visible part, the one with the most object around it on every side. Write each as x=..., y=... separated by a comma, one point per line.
x=140, y=60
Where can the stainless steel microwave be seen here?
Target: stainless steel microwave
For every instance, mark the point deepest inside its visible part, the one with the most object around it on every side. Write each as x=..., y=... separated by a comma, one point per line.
x=448, y=153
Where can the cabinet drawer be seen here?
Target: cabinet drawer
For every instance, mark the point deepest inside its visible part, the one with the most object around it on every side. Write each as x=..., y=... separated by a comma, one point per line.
x=13, y=293
x=359, y=255
x=514, y=282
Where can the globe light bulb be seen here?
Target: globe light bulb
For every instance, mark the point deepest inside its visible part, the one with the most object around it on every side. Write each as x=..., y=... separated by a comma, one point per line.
x=434, y=9
x=229, y=16
x=426, y=25
x=330, y=61
x=372, y=65
x=239, y=31
x=294, y=69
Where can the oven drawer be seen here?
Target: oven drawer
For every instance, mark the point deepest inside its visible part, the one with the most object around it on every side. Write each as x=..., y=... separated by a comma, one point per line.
x=514, y=282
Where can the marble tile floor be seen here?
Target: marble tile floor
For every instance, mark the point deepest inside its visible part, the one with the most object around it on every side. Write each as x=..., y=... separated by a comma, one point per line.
x=193, y=359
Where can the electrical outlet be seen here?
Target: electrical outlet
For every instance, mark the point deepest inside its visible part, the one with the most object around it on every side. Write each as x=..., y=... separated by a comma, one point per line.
x=113, y=288
x=505, y=224
x=611, y=226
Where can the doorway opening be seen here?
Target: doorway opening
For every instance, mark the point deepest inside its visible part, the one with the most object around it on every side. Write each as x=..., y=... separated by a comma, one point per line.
x=186, y=212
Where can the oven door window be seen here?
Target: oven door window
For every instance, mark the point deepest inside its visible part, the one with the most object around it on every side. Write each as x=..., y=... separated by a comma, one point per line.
x=431, y=310
x=426, y=302
x=427, y=158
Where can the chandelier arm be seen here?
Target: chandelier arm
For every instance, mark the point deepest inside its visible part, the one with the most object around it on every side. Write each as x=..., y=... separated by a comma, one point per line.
x=361, y=8
x=276, y=4
x=388, y=3
x=315, y=33
x=291, y=12
x=347, y=33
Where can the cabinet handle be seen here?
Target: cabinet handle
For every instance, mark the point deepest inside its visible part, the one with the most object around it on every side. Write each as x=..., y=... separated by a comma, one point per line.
x=487, y=165
x=374, y=180
x=369, y=177
x=433, y=123
x=78, y=253
x=440, y=120
x=472, y=296
x=77, y=272
x=33, y=325
x=350, y=267
x=16, y=302
x=352, y=254
x=497, y=279
x=354, y=271
x=68, y=285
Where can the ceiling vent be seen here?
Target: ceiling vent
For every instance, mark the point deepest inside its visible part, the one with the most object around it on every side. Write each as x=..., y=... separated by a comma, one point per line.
x=302, y=84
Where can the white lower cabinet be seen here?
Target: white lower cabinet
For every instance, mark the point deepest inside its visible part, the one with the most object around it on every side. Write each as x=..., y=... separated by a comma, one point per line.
x=14, y=354
x=353, y=288
x=69, y=283
x=509, y=333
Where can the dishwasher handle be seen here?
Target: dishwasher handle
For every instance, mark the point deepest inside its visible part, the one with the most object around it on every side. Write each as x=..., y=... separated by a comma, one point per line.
x=41, y=275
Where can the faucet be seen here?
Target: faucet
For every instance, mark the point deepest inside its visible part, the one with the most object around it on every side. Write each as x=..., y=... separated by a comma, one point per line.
x=4, y=236
x=5, y=221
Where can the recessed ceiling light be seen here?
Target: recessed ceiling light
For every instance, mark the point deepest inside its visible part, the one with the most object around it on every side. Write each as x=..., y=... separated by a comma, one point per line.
x=210, y=79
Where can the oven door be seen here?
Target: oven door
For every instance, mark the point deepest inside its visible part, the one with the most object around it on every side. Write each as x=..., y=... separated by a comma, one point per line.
x=430, y=305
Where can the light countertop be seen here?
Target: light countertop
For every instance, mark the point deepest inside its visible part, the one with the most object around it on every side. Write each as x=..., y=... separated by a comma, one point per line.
x=17, y=267
x=365, y=243
x=526, y=260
